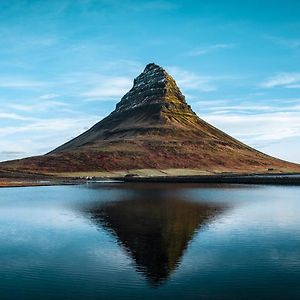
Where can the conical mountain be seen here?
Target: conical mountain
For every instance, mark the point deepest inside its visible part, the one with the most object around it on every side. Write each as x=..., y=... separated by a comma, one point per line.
x=153, y=127
x=154, y=105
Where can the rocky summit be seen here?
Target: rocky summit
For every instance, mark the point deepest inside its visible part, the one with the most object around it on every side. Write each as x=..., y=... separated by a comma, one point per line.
x=152, y=127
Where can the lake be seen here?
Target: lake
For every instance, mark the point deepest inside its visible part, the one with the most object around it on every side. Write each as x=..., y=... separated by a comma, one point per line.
x=150, y=241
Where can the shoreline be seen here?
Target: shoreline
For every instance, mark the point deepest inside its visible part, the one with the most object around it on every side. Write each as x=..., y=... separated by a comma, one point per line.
x=258, y=179
x=273, y=179
x=16, y=184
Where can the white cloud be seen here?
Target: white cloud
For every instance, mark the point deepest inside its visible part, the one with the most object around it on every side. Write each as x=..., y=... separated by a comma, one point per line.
x=48, y=96
x=287, y=149
x=286, y=80
x=40, y=135
x=258, y=129
x=288, y=43
x=20, y=83
x=13, y=116
x=209, y=49
x=109, y=87
x=189, y=80
x=40, y=106
x=46, y=126
x=266, y=125
x=219, y=106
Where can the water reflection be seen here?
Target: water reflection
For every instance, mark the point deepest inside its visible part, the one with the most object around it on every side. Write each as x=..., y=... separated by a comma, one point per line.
x=155, y=229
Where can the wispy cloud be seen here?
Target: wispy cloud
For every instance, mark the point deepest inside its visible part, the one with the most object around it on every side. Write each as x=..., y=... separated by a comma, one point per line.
x=286, y=80
x=285, y=42
x=20, y=83
x=191, y=81
x=40, y=106
x=40, y=135
x=13, y=116
x=268, y=126
x=260, y=106
x=209, y=49
x=46, y=126
x=108, y=87
x=260, y=124
x=48, y=96
x=8, y=155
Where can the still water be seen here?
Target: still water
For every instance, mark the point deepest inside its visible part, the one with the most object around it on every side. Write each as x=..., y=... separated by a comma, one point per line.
x=150, y=241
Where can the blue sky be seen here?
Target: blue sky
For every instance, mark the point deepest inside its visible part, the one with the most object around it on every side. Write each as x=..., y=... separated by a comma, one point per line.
x=64, y=64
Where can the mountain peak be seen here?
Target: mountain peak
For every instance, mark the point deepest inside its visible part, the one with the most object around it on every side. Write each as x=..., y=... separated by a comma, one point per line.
x=152, y=66
x=153, y=86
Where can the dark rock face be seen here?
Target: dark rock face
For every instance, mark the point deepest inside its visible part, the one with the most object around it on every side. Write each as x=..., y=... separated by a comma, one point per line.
x=154, y=94
x=153, y=86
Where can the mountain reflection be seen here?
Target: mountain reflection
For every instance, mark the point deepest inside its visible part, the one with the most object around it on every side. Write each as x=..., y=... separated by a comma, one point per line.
x=155, y=230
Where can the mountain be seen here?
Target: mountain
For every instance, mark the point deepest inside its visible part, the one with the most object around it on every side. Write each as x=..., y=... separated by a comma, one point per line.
x=152, y=127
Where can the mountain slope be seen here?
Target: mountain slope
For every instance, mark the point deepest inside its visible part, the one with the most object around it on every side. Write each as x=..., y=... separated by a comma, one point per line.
x=153, y=127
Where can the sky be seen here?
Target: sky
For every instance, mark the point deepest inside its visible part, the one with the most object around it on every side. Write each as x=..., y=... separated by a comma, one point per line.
x=64, y=64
